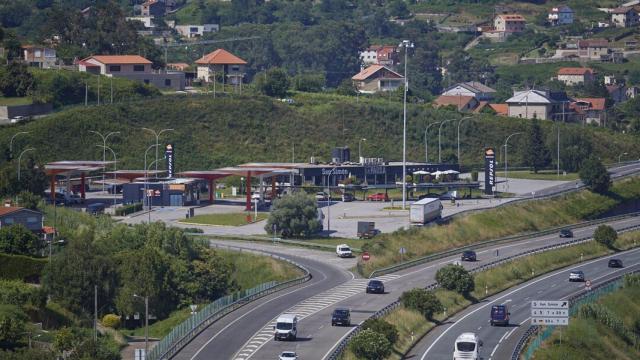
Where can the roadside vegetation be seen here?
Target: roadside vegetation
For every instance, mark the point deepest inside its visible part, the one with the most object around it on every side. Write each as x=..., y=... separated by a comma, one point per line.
x=541, y=175
x=225, y=219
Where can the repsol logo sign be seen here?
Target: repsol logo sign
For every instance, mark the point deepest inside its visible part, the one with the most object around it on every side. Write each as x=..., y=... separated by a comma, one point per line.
x=335, y=172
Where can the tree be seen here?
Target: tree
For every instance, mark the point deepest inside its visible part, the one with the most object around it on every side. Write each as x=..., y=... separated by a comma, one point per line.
x=380, y=326
x=605, y=235
x=17, y=239
x=398, y=9
x=456, y=278
x=537, y=155
x=423, y=301
x=28, y=200
x=370, y=345
x=15, y=80
x=294, y=216
x=595, y=175
x=576, y=148
x=274, y=82
x=12, y=325
x=309, y=82
x=346, y=88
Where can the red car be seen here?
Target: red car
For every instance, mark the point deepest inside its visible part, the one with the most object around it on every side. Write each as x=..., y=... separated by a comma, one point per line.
x=378, y=197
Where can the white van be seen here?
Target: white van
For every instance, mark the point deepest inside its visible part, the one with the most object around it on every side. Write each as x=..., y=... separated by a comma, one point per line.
x=344, y=251
x=467, y=347
x=286, y=327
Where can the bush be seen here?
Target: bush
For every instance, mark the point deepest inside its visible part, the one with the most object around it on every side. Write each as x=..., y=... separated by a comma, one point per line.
x=17, y=239
x=423, y=301
x=595, y=175
x=193, y=230
x=274, y=82
x=294, y=216
x=308, y=82
x=111, y=320
x=128, y=209
x=17, y=293
x=371, y=345
x=456, y=278
x=632, y=280
x=382, y=327
x=605, y=235
x=12, y=325
x=20, y=267
x=474, y=175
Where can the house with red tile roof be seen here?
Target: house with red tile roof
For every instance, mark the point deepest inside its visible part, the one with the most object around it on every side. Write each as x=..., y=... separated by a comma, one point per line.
x=133, y=67
x=221, y=63
x=39, y=56
x=500, y=109
x=462, y=103
x=377, y=78
x=13, y=215
x=624, y=17
x=509, y=23
x=576, y=75
x=588, y=110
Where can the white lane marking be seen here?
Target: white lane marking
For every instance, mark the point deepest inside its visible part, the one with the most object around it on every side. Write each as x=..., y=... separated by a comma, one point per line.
x=507, y=335
x=506, y=301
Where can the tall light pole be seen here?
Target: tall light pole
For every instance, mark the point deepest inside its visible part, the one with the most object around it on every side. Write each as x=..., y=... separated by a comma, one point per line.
x=13, y=137
x=329, y=201
x=406, y=44
x=146, y=177
x=506, y=143
x=157, y=135
x=115, y=168
x=104, y=148
x=460, y=122
x=621, y=155
x=146, y=323
x=426, y=142
x=360, y=148
x=20, y=157
x=440, y=140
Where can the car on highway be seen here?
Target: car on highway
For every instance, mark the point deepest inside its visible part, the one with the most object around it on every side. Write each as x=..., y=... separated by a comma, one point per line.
x=499, y=315
x=468, y=255
x=322, y=196
x=348, y=197
x=615, y=263
x=576, y=275
x=286, y=327
x=341, y=316
x=378, y=197
x=467, y=347
x=566, y=233
x=288, y=355
x=375, y=286
x=344, y=251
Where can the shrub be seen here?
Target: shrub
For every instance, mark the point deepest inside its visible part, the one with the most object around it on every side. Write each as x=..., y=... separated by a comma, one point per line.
x=632, y=280
x=595, y=175
x=423, y=301
x=369, y=344
x=294, y=216
x=193, y=230
x=111, y=320
x=20, y=267
x=456, y=278
x=605, y=235
x=382, y=327
x=17, y=239
x=18, y=293
x=12, y=325
x=128, y=209
x=474, y=175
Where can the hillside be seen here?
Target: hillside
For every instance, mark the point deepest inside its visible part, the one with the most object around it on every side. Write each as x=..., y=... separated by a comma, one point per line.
x=226, y=131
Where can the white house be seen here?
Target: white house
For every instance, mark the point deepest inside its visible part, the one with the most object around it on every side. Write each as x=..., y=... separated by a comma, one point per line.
x=624, y=17
x=132, y=67
x=530, y=104
x=191, y=31
x=561, y=15
x=471, y=88
x=575, y=75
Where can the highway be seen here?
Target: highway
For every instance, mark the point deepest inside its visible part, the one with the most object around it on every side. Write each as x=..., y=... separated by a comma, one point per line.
x=499, y=342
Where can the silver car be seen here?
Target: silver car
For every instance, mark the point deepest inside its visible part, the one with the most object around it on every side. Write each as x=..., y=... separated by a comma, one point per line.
x=288, y=355
x=576, y=275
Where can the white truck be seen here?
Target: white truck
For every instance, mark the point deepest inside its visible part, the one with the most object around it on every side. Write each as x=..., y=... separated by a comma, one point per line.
x=286, y=327
x=425, y=210
x=467, y=347
x=344, y=251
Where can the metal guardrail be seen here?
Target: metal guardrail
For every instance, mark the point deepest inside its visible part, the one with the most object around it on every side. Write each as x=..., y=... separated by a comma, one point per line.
x=335, y=354
x=182, y=334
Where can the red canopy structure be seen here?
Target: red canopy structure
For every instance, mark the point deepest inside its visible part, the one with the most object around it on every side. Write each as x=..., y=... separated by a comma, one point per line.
x=247, y=170
x=69, y=168
x=210, y=175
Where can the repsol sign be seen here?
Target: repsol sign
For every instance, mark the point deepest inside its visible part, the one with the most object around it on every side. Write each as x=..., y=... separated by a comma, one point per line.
x=335, y=172
x=489, y=170
x=169, y=156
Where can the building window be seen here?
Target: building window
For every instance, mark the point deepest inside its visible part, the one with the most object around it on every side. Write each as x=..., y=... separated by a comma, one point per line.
x=114, y=68
x=138, y=67
x=235, y=68
x=167, y=82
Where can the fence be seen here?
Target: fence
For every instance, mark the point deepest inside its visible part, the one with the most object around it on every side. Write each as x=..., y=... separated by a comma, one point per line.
x=182, y=334
x=576, y=301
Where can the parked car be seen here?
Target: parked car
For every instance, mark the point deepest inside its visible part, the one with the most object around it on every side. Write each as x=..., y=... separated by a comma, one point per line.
x=288, y=355
x=375, y=286
x=17, y=119
x=341, y=316
x=322, y=196
x=95, y=209
x=468, y=255
x=576, y=275
x=378, y=197
x=566, y=233
x=348, y=197
x=615, y=263
x=500, y=315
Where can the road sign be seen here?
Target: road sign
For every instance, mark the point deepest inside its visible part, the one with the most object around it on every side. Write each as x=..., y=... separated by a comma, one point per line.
x=366, y=256
x=403, y=250
x=587, y=285
x=549, y=312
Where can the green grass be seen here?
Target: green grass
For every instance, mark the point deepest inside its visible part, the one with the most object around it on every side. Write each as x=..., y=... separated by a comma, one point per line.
x=13, y=101
x=161, y=328
x=541, y=175
x=228, y=219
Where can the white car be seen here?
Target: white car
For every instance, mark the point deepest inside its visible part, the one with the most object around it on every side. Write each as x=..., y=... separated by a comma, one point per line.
x=576, y=275
x=344, y=251
x=288, y=355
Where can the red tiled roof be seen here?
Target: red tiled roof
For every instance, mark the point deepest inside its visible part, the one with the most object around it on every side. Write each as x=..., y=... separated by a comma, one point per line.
x=500, y=109
x=178, y=66
x=511, y=17
x=5, y=210
x=119, y=59
x=220, y=57
x=621, y=10
x=459, y=101
x=594, y=103
x=368, y=72
x=574, y=71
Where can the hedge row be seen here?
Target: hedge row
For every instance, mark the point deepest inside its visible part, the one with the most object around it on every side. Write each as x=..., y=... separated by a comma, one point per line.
x=20, y=267
x=128, y=209
x=18, y=293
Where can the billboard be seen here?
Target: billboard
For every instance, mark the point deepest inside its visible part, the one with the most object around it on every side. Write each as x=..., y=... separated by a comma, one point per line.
x=169, y=157
x=489, y=170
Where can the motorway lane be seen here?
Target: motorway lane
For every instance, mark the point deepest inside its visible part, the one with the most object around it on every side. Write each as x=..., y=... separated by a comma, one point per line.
x=320, y=337
x=499, y=342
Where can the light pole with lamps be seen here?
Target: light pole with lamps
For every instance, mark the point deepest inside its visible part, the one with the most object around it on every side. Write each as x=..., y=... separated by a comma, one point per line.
x=115, y=168
x=460, y=122
x=13, y=137
x=104, y=149
x=20, y=157
x=360, y=148
x=440, y=141
x=621, y=155
x=146, y=322
x=406, y=44
x=506, y=143
x=146, y=177
x=157, y=135
x=329, y=201
x=426, y=142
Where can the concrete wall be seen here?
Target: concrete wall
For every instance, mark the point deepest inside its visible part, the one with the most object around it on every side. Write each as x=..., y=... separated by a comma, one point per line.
x=542, y=112
x=8, y=112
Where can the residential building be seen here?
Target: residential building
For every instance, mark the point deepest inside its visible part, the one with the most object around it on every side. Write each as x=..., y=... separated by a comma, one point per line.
x=223, y=63
x=589, y=110
x=154, y=8
x=13, y=215
x=624, y=17
x=369, y=56
x=147, y=21
x=632, y=92
x=377, y=78
x=561, y=15
x=509, y=23
x=133, y=67
x=462, y=103
x=39, y=56
x=617, y=92
x=539, y=104
x=178, y=66
x=593, y=49
x=575, y=75
x=610, y=80
x=386, y=55
x=471, y=88
x=500, y=109
x=193, y=31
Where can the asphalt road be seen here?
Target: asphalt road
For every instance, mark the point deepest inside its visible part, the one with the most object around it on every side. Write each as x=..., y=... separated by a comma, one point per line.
x=318, y=337
x=499, y=341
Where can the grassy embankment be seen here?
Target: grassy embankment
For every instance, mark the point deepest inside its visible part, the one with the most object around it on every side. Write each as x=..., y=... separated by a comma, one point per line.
x=493, y=281
x=495, y=223
x=227, y=219
x=541, y=175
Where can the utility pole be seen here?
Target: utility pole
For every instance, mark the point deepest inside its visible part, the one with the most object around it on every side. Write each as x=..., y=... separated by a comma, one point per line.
x=406, y=44
x=86, y=93
x=95, y=313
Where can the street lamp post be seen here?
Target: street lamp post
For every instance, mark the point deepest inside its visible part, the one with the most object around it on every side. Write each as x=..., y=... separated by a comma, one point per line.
x=20, y=157
x=506, y=143
x=13, y=137
x=406, y=44
x=157, y=135
x=621, y=155
x=460, y=122
x=115, y=168
x=104, y=148
x=360, y=148
x=426, y=142
x=146, y=323
x=146, y=178
x=440, y=140
x=329, y=201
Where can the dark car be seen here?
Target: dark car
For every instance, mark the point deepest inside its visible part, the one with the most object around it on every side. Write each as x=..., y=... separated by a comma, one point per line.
x=95, y=208
x=468, y=256
x=348, y=197
x=375, y=286
x=341, y=317
x=500, y=315
x=566, y=233
x=615, y=263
